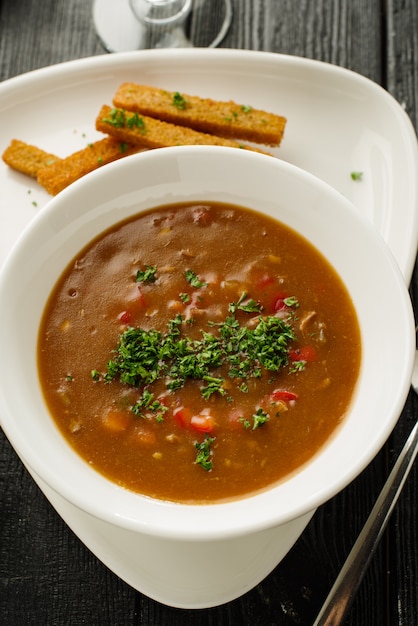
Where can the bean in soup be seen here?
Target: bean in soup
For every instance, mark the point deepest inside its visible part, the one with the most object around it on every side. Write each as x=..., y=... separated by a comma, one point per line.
x=199, y=352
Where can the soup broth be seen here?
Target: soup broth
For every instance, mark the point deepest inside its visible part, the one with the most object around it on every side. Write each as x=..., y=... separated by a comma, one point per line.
x=199, y=352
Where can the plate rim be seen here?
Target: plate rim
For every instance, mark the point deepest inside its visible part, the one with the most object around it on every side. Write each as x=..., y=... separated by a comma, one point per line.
x=10, y=87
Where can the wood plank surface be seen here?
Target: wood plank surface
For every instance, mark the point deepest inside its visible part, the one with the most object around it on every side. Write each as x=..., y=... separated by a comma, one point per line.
x=47, y=577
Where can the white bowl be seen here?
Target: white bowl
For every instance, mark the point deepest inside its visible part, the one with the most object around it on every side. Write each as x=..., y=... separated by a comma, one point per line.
x=153, y=544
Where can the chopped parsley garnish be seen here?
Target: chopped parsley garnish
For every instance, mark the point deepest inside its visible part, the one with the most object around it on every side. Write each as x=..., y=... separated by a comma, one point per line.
x=356, y=175
x=148, y=275
x=259, y=418
x=148, y=404
x=95, y=374
x=243, y=351
x=144, y=356
x=179, y=102
x=193, y=279
x=246, y=108
x=249, y=306
x=116, y=119
x=135, y=121
x=291, y=301
x=297, y=366
x=203, y=457
x=213, y=385
x=120, y=119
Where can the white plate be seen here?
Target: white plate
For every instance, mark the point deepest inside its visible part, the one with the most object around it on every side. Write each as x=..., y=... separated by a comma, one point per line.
x=338, y=122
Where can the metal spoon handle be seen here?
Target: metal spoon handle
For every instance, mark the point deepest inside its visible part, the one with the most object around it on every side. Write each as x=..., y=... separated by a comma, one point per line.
x=344, y=589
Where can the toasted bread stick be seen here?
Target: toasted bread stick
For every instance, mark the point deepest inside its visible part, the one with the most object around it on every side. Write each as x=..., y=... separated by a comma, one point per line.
x=224, y=119
x=61, y=174
x=152, y=133
x=26, y=158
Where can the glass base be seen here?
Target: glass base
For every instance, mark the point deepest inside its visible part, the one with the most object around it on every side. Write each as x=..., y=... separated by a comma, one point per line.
x=119, y=30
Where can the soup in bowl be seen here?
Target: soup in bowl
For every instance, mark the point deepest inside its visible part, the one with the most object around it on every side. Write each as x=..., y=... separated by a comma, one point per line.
x=201, y=351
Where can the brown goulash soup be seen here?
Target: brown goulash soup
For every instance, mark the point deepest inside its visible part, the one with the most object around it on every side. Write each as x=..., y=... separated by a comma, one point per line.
x=198, y=352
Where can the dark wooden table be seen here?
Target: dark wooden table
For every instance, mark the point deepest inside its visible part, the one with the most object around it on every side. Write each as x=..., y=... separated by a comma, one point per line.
x=47, y=577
